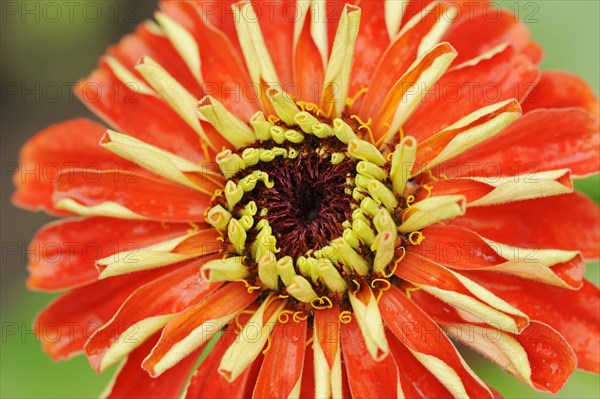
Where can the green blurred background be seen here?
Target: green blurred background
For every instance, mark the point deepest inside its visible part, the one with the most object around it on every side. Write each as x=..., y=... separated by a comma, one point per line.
x=46, y=52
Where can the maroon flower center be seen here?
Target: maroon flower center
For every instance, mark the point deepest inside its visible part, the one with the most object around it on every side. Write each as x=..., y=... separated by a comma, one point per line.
x=308, y=202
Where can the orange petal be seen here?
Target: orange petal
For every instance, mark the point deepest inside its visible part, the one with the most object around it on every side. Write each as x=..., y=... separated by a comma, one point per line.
x=146, y=42
x=370, y=44
x=327, y=352
x=288, y=341
x=492, y=190
x=157, y=300
x=459, y=291
x=542, y=139
x=574, y=314
x=538, y=356
x=308, y=63
x=462, y=249
x=367, y=378
x=190, y=329
x=207, y=382
x=409, y=90
x=135, y=191
x=143, y=116
x=478, y=31
x=223, y=71
x=397, y=58
x=557, y=89
x=462, y=90
x=62, y=254
x=415, y=380
x=413, y=328
x=132, y=381
x=69, y=321
x=465, y=133
x=568, y=222
x=63, y=146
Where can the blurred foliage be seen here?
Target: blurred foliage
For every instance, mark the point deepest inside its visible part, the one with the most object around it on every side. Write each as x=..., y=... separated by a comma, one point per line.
x=568, y=31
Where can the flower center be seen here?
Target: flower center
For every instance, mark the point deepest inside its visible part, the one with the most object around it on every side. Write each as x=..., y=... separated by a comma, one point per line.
x=306, y=210
x=308, y=202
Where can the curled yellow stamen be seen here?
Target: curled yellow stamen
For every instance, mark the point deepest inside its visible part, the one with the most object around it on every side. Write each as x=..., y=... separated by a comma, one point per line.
x=428, y=188
x=204, y=147
x=195, y=227
x=432, y=176
x=416, y=238
x=345, y=317
x=216, y=194
x=249, y=288
x=321, y=303
x=357, y=284
x=306, y=106
x=393, y=269
x=309, y=341
x=377, y=284
x=299, y=316
x=364, y=125
x=351, y=100
x=269, y=341
x=284, y=316
x=237, y=319
x=409, y=201
x=410, y=290
x=273, y=119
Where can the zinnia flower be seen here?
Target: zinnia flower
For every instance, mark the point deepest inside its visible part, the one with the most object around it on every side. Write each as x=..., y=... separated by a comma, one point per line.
x=326, y=193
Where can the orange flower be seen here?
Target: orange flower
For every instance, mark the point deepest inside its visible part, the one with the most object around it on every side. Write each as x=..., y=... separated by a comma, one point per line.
x=326, y=192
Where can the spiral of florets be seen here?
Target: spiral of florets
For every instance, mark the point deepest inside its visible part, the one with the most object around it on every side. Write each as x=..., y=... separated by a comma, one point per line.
x=308, y=210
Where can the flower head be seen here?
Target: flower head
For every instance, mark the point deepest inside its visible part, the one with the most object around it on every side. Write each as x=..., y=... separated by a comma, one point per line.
x=327, y=193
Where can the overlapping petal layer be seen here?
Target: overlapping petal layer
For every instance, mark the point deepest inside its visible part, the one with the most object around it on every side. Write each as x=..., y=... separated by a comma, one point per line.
x=444, y=245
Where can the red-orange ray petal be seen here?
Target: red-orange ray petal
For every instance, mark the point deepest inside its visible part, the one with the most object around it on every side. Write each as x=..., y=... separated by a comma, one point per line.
x=131, y=48
x=167, y=295
x=63, y=253
x=145, y=195
x=474, y=190
x=277, y=380
x=327, y=328
x=425, y=273
x=549, y=355
x=145, y=117
x=544, y=139
x=421, y=335
x=396, y=60
x=367, y=377
x=574, y=314
x=308, y=68
x=223, y=71
x=568, y=222
x=307, y=390
x=462, y=249
x=63, y=146
x=276, y=23
x=228, y=300
x=207, y=382
x=333, y=11
x=371, y=42
x=404, y=88
x=487, y=28
x=133, y=382
x=70, y=320
x=461, y=91
x=557, y=89
x=416, y=381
